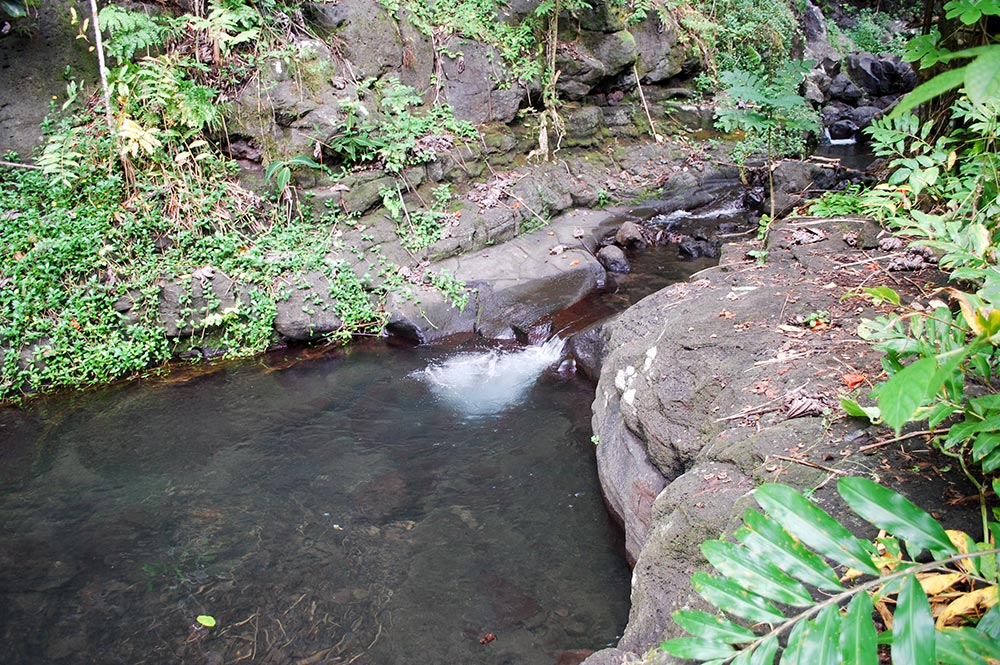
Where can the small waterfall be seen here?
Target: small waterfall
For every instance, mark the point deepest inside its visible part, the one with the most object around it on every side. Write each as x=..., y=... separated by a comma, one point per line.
x=485, y=383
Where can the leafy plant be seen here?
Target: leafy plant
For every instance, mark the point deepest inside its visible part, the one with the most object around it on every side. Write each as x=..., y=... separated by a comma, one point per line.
x=770, y=113
x=781, y=558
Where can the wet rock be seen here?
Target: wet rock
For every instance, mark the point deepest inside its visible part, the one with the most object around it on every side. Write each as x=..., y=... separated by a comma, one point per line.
x=511, y=604
x=588, y=348
x=613, y=259
x=842, y=129
x=382, y=496
x=693, y=248
x=590, y=57
x=631, y=236
x=862, y=116
x=573, y=656
x=583, y=124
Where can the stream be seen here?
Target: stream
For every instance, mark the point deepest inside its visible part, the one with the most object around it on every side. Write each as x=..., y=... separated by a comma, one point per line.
x=370, y=504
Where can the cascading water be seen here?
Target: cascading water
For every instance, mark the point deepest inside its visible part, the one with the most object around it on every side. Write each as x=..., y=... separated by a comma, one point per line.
x=488, y=382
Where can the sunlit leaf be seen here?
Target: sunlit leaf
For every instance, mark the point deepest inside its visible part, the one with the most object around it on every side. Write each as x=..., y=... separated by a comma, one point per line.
x=753, y=572
x=896, y=514
x=767, y=538
x=723, y=593
x=937, y=86
x=710, y=627
x=814, y=527
x=821, y=639
x=695, y=648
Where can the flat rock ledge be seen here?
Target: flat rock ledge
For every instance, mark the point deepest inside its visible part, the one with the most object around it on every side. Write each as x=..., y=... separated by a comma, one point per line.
x=714, y=386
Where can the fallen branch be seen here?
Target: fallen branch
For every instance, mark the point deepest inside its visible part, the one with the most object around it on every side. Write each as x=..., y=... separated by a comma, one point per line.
x=911, y=435
x=813, y=465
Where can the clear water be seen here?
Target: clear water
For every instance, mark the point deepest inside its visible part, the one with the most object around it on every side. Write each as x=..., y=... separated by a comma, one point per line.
x=343, y=509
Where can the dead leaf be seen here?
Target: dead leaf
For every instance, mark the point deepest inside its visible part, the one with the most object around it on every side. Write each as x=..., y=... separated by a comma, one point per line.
x=852, y=381
x=971, y=604
x=578, y=232
x=574, y=262
x=937, y=583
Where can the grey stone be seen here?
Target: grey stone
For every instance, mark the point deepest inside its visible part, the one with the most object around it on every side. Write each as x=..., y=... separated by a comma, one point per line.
x=613, y=259
x=308, y=312
x=184, y=307
x=470, y=84
x=660, y=56
x=631, y=236
x=844, y=89
x=842, y=129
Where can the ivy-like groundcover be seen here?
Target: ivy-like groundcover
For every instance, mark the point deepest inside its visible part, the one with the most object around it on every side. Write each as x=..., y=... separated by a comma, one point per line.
x=941, y=610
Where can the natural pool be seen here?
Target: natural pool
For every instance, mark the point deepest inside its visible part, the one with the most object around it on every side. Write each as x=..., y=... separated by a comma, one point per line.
x=333, y=510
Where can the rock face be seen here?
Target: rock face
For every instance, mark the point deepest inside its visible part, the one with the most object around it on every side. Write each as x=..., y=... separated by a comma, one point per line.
x=695, y=407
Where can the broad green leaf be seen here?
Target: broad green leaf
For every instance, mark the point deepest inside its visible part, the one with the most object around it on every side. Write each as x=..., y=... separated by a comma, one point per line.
x=940, y=84
x=206, y=620
x=731, y=598
x=990, y=623
x=764, y=654
x=913, y=634
x=710, y=627
x=696, y=649
x=896, y=514
x=905, y=392
x=793, y=654
x=752, y=572
x=962, y=646
x=766, y=537
x=857, y=635
x=985, y=444
x=814, y=527
x=821, y=639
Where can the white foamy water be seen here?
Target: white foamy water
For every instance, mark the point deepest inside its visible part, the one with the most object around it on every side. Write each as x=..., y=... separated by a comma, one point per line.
x=480, y=384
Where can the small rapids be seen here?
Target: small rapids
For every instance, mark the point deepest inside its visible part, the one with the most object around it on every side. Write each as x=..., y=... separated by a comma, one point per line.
x=488, y=382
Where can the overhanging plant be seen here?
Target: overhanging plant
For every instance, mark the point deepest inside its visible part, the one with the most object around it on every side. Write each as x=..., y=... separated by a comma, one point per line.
x=781, y=600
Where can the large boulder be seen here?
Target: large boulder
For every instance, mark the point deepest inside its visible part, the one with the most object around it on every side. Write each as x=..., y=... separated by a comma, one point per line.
x=471, y=84
x=373, y=43
x=660, y=55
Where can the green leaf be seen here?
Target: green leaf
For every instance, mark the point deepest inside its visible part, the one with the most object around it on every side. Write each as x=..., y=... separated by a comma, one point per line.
x=913, y=634
x=990, y=623
x=206, y=620
x=821, y=639
x=731, y=598
x=764, y=654
x=880, y=294
x=940, y=84
x=814, y=527
x=982, y=77
x=852, y=408
x=793, y=653
x=858, y=636
x=766, y=537
x=696, y=649
x=905, y=392
x=896, y=514
x=710, y=627
x=966, y=646
x=753, y=572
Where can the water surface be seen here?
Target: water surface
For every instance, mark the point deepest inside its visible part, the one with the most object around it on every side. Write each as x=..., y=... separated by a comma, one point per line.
x=337, y=510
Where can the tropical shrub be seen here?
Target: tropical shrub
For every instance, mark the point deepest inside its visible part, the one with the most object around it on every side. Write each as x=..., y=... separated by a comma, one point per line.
x=780, y=597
